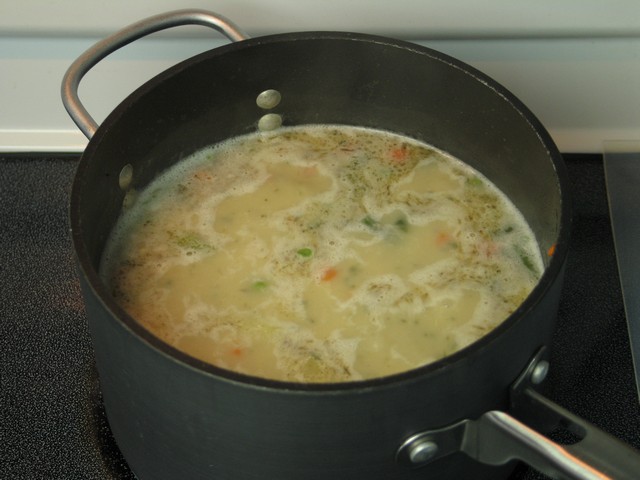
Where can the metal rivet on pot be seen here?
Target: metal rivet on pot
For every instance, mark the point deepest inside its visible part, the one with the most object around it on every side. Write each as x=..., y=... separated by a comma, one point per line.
x=125, y=177
x=422, y=451
x=540, y=372
x=268, y=99
x=270, y=121
x=129, y=199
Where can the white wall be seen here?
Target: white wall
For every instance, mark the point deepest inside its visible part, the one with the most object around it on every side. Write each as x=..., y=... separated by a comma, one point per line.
x=575, y=63
x=407, y=18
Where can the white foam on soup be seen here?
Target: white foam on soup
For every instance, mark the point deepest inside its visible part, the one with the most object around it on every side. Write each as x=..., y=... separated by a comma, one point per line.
x=321, y=254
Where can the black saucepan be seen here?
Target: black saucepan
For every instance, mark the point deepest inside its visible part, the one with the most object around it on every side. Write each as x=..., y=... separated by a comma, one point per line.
x=176, y=417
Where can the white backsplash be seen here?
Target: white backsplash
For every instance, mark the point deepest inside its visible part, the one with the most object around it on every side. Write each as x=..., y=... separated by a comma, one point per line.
x=575, y=64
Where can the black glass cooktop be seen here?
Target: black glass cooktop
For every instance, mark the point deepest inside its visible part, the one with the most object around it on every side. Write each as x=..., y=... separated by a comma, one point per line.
x=52, y=423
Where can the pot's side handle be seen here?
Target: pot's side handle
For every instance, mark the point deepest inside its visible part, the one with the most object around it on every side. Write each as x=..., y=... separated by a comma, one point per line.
x=496, y=438
x=100, y=50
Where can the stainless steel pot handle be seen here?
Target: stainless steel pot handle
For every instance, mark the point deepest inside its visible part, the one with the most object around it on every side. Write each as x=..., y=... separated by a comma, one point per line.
x=496, y=438
x=100, y=50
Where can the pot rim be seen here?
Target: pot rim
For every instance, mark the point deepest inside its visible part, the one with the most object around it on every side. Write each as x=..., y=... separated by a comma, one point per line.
x=551, y=272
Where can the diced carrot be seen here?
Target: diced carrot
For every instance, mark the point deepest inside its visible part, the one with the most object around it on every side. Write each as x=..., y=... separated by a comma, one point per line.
x=551, y=250
x=489, y=248
x=202, y=175
x=443, y=238
x=347, y=146
x=310, y=171
x=399, y=154
x=329, y=274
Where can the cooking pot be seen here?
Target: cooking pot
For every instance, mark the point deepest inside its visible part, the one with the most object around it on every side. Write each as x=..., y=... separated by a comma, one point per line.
x=469, y=415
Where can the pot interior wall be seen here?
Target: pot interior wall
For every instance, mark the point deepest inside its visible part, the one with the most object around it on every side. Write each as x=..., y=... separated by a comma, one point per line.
x=323, y=78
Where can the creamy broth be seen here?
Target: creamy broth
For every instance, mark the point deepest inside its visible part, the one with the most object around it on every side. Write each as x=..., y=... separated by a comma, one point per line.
x=321, y=254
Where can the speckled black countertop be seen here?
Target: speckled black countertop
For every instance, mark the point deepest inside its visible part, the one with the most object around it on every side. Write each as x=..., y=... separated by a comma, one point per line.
x=52, y=424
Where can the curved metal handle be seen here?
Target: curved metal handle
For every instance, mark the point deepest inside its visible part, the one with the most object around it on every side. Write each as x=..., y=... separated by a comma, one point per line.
x=100, y=50
x=497, y=438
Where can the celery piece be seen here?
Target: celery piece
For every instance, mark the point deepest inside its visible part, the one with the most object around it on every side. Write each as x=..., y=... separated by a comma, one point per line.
x=370, y=222
x=192, y=241
x=402, y=224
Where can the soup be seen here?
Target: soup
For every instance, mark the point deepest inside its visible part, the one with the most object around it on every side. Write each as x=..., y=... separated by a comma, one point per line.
x=321, y=254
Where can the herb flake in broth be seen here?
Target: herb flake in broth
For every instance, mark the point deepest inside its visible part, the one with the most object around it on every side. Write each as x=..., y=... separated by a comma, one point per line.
x=321, y=254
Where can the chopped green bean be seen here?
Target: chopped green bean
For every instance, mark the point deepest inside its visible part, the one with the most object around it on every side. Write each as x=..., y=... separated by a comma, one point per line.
x=526, y=259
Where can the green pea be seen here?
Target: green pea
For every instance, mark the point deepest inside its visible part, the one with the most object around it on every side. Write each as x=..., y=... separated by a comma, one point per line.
x=260, y=285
